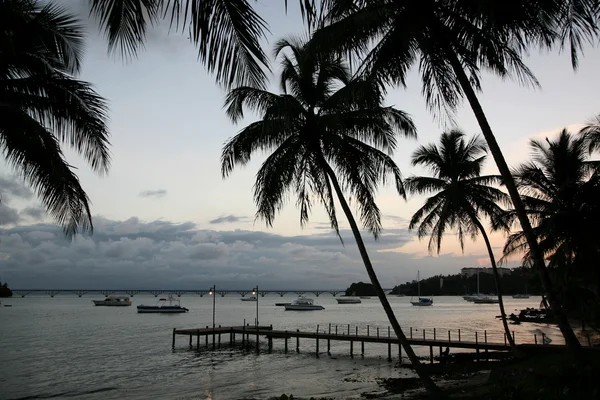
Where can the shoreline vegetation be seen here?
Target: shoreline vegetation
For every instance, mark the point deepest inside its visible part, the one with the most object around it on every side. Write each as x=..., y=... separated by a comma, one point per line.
x=520, y=280
x=5, y=290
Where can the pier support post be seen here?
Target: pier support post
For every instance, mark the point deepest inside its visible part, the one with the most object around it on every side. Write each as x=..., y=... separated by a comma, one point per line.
x=389, y=345
x=286, y=342
x=351, y=349
x=431, y=354
x=477, y=346
x=297, y=342
x=244, y=335
x=173, y=337
x=270, y=341
x=190, y=340
x=459, y=335
x=206, y=338
x=198, y=340
x=328, y=346
x=486, y=348
x=317, y=340
x=362, y=348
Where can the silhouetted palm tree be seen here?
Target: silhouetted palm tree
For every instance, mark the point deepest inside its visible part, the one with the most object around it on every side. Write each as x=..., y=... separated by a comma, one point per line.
x=592, y=133
x=459, y=196
x=326, y=134
x=452, y=41
x=42, y=105
x=226, y=32
x=560, y=187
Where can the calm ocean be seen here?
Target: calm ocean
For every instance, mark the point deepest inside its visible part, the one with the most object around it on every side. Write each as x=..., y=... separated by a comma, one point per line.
x=66, y=348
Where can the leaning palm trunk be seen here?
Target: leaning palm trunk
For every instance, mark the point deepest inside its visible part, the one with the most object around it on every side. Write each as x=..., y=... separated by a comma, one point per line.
x=536, y=253
x=511, y=340
x=430, y=386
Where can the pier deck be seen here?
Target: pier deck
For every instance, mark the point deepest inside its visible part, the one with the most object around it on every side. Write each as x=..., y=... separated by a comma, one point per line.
x=385, y=337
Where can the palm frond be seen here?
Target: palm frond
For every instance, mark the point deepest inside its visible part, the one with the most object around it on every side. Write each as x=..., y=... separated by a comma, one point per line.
x=591, y=132
x=35, y=154
x=227, y=33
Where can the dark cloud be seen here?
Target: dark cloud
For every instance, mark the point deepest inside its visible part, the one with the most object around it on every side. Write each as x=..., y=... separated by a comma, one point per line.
x=226, y=219
x=157, y=254
x=13, y=187
x=8, y=215
x=35, y=213
x=156, y=194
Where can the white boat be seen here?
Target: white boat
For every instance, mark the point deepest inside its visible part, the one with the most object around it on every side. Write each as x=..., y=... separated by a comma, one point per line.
x=161, y=307
x=365, y=297
x=470, y=297
x=421, y=301
x=483, y=299
x=348, y=300
x=251, y=298
x=521, y=296
x=113, y=301
x=303, y=304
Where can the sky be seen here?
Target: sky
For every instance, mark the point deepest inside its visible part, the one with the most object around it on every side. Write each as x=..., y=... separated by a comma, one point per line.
x=165, y=217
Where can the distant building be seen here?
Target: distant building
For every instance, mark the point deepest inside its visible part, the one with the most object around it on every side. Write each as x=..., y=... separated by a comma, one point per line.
x=470, y=271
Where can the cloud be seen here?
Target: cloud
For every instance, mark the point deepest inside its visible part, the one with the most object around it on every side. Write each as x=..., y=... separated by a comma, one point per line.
x=157, y=194
x=13, y=187
x=8, y=215
x=227, y=219
x=35, y=213
x=158, y=254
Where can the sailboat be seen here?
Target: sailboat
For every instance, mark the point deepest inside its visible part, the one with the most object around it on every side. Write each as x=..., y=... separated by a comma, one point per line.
x=473, y=296
x=421, y=301
x=521, y=296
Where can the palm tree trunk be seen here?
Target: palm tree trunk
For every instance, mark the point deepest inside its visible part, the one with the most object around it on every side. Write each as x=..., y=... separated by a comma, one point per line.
x=511, y=340
x=536, y=253
x=430, y=386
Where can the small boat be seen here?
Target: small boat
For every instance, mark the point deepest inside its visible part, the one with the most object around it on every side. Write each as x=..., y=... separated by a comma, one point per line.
x=251, y=298
x=162, y=307
x=365, y=297
x=400, y=295
x=521, y=295
x=282, y=304
x=303, y=304
x=348, y=300
x=8, y=305
x=486, y=300
x=422, y=301
x=113, y=301
x=470, y=297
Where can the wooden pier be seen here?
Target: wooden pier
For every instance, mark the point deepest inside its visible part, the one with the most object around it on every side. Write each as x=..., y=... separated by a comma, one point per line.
x=249, y=336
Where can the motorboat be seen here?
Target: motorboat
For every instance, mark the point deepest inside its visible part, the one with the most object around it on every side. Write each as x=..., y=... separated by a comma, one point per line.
x=520, y=296
x=303, y=304
x=348, y=300
x=162, y=307
x=400, y=295
x=251, y=298
x=282, y=304
x=470, y=297
x=486, y=300
x=113, y=301
x=365, y=297
x=421, y=301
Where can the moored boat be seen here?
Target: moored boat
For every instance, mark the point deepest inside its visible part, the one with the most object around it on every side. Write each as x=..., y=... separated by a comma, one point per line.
x=161, y=307
x=520, y=296
x=113, y=301
x=421, y=301
x=486, y=300
x=348, y=300
x=303, y=304
x=365, y=297
x=251, y=298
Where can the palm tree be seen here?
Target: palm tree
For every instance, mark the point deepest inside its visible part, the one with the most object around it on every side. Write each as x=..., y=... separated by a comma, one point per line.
x=226, y=32
x=592, y=133
x=459, y=196
x=326, y=134
x=452, y=41
x=560, y=187
x=42, y=105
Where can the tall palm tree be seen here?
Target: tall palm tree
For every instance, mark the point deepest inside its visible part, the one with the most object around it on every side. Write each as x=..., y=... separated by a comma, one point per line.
x=42, y=105
x=327, y=135
x=226, y=32
x=592, y=133
x=459, y=196
x=452, y=41
x=560, y=186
